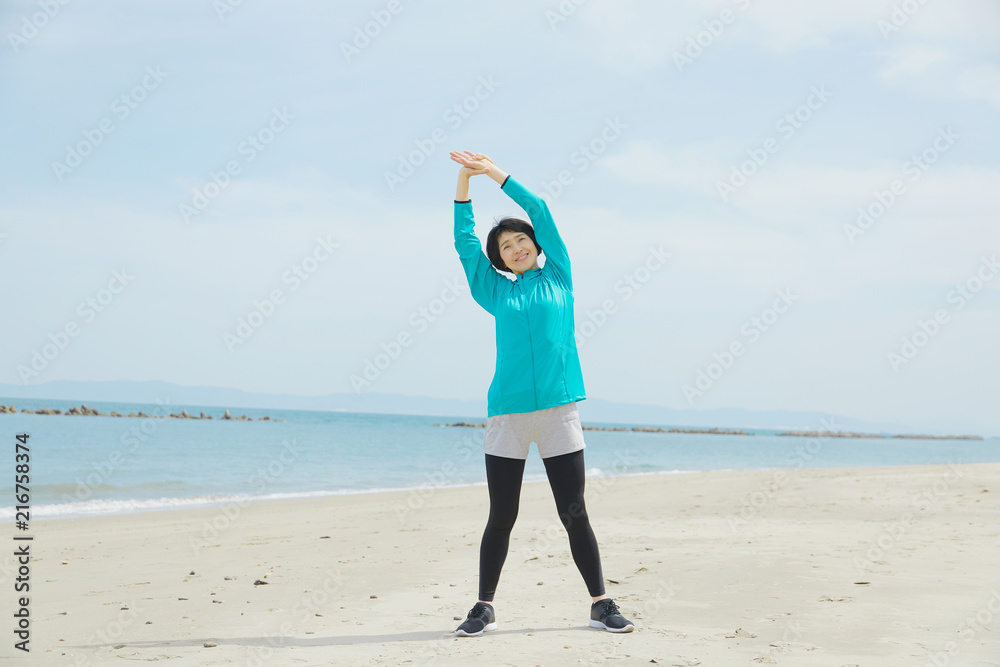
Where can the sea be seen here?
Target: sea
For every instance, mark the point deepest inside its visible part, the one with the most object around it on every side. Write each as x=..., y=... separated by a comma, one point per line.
x=81, y=465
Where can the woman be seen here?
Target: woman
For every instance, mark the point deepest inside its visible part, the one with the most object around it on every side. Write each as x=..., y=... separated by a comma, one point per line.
x=535, y=386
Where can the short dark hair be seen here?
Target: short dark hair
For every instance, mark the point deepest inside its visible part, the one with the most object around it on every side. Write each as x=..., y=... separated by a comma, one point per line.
x=507, y=224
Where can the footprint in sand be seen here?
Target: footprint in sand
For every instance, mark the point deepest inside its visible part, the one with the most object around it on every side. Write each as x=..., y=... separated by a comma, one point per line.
x=740, y=632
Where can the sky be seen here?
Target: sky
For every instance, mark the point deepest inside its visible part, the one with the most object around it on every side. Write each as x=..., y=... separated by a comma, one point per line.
x=768, y=205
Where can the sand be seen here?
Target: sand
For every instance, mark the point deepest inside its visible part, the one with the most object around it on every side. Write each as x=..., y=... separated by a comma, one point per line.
x=871, y=566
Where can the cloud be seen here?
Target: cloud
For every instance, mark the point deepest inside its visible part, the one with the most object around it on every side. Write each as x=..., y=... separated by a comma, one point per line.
x=788, y=222
x=788, y=27
x=981, y=82
x=632, y=36
x=692, y=167
x=948, y=52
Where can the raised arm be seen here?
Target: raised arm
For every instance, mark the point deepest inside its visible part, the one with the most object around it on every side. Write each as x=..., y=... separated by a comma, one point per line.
x=480, y=273
x=556, y=257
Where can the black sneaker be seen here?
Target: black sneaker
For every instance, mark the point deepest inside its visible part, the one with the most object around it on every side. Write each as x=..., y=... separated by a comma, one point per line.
x=481, y=617
x=605, y=614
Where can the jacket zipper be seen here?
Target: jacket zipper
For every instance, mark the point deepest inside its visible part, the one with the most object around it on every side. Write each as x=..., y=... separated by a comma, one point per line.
x=531, y=349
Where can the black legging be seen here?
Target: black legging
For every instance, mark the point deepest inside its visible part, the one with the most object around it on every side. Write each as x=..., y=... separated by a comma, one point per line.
x=566, y=478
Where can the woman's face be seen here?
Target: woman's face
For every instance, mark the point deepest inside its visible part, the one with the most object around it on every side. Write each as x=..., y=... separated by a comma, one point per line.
x=517, y=251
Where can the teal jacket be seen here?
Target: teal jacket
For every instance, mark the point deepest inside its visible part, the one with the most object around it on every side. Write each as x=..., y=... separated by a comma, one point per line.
x=537, y=365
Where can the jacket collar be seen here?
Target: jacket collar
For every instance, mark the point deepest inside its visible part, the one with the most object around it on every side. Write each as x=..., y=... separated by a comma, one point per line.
x=530, y=274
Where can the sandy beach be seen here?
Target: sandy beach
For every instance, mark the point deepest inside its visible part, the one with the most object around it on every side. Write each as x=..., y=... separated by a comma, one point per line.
x=873, y=566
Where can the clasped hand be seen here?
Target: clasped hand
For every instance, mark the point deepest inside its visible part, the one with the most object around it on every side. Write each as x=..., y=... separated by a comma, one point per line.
x=472, y=163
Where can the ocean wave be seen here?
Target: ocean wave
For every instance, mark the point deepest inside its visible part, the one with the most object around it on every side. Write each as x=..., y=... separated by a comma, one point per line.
x=68, y=489
x=133, y=505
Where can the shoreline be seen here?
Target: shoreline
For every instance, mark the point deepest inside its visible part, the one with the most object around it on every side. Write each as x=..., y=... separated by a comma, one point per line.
x=198, y=503
x=190, y=503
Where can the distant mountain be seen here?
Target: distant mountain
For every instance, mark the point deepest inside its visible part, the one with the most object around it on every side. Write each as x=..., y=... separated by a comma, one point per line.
x=592, y=410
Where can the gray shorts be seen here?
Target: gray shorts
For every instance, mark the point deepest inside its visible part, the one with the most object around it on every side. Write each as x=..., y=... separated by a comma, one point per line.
x=554, y=431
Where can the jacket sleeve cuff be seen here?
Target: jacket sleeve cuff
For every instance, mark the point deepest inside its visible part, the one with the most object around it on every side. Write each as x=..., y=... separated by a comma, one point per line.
x=463, y=201
x=505, y=181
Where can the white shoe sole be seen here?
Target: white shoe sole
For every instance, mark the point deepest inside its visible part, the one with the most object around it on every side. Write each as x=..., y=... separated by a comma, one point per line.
x=463, y=633
x=598, y=624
